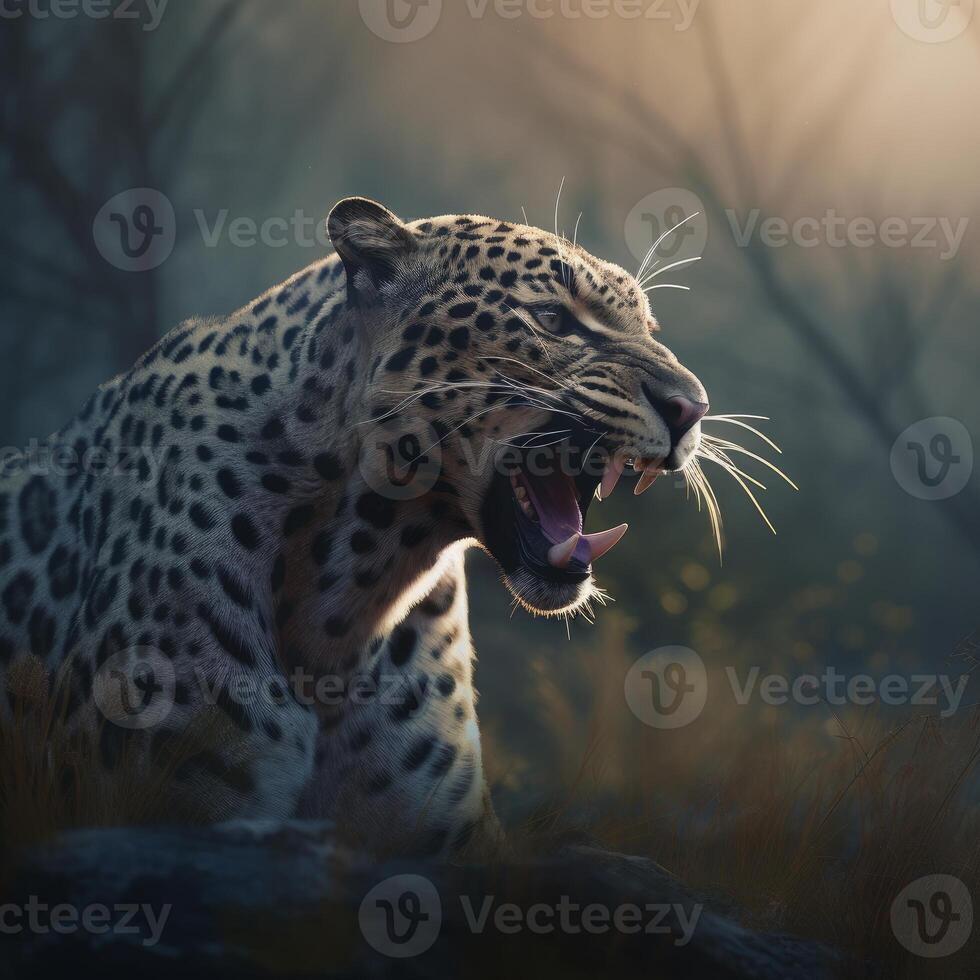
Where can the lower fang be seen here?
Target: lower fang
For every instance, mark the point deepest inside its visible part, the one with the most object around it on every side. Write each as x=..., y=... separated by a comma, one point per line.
x=602, y=541
x=560, y=555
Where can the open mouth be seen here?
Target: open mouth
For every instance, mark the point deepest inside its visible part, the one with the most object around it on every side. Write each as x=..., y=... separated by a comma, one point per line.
x=535, y=512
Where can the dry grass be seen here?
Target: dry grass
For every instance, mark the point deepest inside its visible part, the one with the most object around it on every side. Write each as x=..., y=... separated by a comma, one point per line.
x=811, y=826
x=50, y=779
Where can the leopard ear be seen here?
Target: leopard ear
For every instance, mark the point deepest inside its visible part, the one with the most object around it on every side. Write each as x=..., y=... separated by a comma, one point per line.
x=369, y=239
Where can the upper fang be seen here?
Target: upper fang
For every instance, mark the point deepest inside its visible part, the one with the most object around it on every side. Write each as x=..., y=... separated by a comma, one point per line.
x=650, y=470
x=614, y=470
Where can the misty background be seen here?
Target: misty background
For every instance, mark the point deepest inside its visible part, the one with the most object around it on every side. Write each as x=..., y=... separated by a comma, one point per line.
x=752, y=109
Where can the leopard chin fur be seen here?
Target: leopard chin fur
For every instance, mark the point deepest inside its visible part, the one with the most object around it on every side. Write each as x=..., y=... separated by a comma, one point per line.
x=263, y=521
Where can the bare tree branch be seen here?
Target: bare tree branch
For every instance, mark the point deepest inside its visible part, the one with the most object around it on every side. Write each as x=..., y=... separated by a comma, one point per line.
x=185, y=77
x=678, y=159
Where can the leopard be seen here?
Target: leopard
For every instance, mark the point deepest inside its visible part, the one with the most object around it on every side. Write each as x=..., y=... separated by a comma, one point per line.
x=260, y=528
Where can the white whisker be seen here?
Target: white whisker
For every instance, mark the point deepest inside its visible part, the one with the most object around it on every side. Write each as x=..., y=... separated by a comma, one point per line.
x=527, y=320
x=437, y=386
x=472, y=418
x=700, y=479
x=537, y=445
x=514, y=360
x=690, y=485
x=558, y=237
x=669, y=231
x=594, y=444
x=748, y=491
x=733, y=447
x=733, y=420
x=643, y=264
x=718, y=456
x=667, y=268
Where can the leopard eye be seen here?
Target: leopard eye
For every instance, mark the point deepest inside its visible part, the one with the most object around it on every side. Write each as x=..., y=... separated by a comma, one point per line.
x=553, y=317
x=548, y=309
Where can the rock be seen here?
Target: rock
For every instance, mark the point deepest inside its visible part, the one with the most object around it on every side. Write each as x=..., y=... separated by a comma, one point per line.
x=243, y=900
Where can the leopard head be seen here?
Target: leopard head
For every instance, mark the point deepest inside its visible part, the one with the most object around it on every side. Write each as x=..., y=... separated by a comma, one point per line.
x=515, y=377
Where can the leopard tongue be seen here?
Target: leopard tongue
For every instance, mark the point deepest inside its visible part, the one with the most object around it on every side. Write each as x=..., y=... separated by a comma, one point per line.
x=586, y=547
x=555, y=501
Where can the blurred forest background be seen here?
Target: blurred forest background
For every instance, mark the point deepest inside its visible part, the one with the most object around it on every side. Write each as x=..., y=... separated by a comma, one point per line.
x=778, y=108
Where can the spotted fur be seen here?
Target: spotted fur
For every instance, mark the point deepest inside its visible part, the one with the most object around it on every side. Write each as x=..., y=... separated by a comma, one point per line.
x=288, y=496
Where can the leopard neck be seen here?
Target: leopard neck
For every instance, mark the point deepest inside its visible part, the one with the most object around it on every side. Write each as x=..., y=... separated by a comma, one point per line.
x=346, y=558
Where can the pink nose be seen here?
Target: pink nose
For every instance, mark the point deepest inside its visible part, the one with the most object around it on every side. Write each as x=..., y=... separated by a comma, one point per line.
x=681, y=414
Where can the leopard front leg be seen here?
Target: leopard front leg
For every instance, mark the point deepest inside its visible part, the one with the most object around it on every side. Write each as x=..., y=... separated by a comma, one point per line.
x=204, y=712
x=398, y=763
